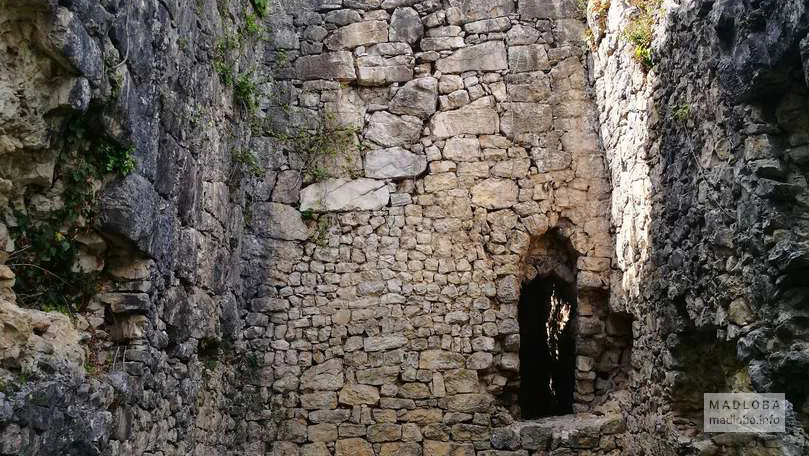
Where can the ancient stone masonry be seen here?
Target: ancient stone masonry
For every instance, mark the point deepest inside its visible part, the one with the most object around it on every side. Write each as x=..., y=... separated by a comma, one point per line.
x=400, y=227
x=396, y=331
x=707, y=191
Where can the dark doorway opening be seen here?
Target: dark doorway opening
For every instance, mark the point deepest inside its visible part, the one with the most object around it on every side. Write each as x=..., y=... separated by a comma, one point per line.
x=546, y=315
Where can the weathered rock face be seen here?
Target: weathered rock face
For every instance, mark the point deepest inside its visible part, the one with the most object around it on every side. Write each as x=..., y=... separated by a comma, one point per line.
x=322, y=246
x=703, y=234
x=133, y=370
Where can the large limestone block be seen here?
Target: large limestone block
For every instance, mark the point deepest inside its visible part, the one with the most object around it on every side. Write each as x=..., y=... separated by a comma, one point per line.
x=373, y=70
x=531, y=57
x=328, y=376
x=416, y=98
x=314, y=449
x=391, y=130
x=440, y=360
x=479, y=361
x=488, y=56
x=394, y=163
x=474, y=10
x=319, y=400
x=405, y=25
x=525, y=118
x=378, y=375
x=358, y=34
x=461, y=381
x=551, y=158
x=353, y=447
x=469, y=403
x=359, y=394
x=437, y=448
x=381, y=343
x=495, y=193
x=462, y=149
x=548, y=9
x=335, y=195
x=400, y=449
x=278, y=221
x=30, y=335
x=528, y=87
x=471, y=119
x=331, y=65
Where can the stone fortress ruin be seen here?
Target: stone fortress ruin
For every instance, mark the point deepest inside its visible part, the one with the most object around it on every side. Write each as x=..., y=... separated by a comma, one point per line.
x=400, y=227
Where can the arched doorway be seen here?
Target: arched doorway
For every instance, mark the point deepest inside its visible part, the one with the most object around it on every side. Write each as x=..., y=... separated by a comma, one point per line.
x=547, y=310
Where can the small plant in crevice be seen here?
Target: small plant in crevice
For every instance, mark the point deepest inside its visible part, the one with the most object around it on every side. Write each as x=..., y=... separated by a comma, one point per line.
x=261, y=7
x=252, y=26
x=640, y=30
x=281, y=59
x=307, y=214
x=600, y=9
x=224, y=61
x=313, y=147
x=47, y=244
x=320, y=235
x=681, y=113
x=251, y=361
x=247, y=161
x=245, y=92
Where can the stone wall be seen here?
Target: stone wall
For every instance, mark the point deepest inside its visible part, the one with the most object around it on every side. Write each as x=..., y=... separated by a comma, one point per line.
x=335, y=208
x=130, y=371
x=394, y=328
x=703, y=229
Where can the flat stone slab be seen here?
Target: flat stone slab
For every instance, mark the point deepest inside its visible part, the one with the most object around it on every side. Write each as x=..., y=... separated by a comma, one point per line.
x=416, y=98
x=471, y=120
x=488, y=56
x=390, y=130
x=331, y=65
x=358, y=34
x=394, y=163
x=338, y=195
x=569, y=431
x=279, y=221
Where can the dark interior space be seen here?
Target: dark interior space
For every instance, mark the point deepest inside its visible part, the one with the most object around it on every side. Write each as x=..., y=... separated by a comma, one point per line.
x=547, y=347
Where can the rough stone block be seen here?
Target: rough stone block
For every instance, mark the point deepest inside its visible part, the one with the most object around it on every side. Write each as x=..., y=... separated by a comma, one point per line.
x=390, y=130
x=488, y=56
x=345, y=195
x=470, y=119
x=416, y=98
x=394, y=163
x=331, y=65
x=495, y=193
x=358, y=34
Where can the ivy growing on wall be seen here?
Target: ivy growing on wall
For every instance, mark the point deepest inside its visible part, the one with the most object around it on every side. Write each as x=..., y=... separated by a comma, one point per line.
x=47, y=244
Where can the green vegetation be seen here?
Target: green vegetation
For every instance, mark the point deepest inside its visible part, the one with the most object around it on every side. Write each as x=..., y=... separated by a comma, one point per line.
x=640, y=33
x=245, y=92
x=248, y=162
x=227, y=52
x=251, y=361
x=47, y=245
x=281, y=59
x=320, y=236
x=681, y=113
x=223, y=61
x=252, y=27
x=261, y=7
x=315, y=146
x=308, y=214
